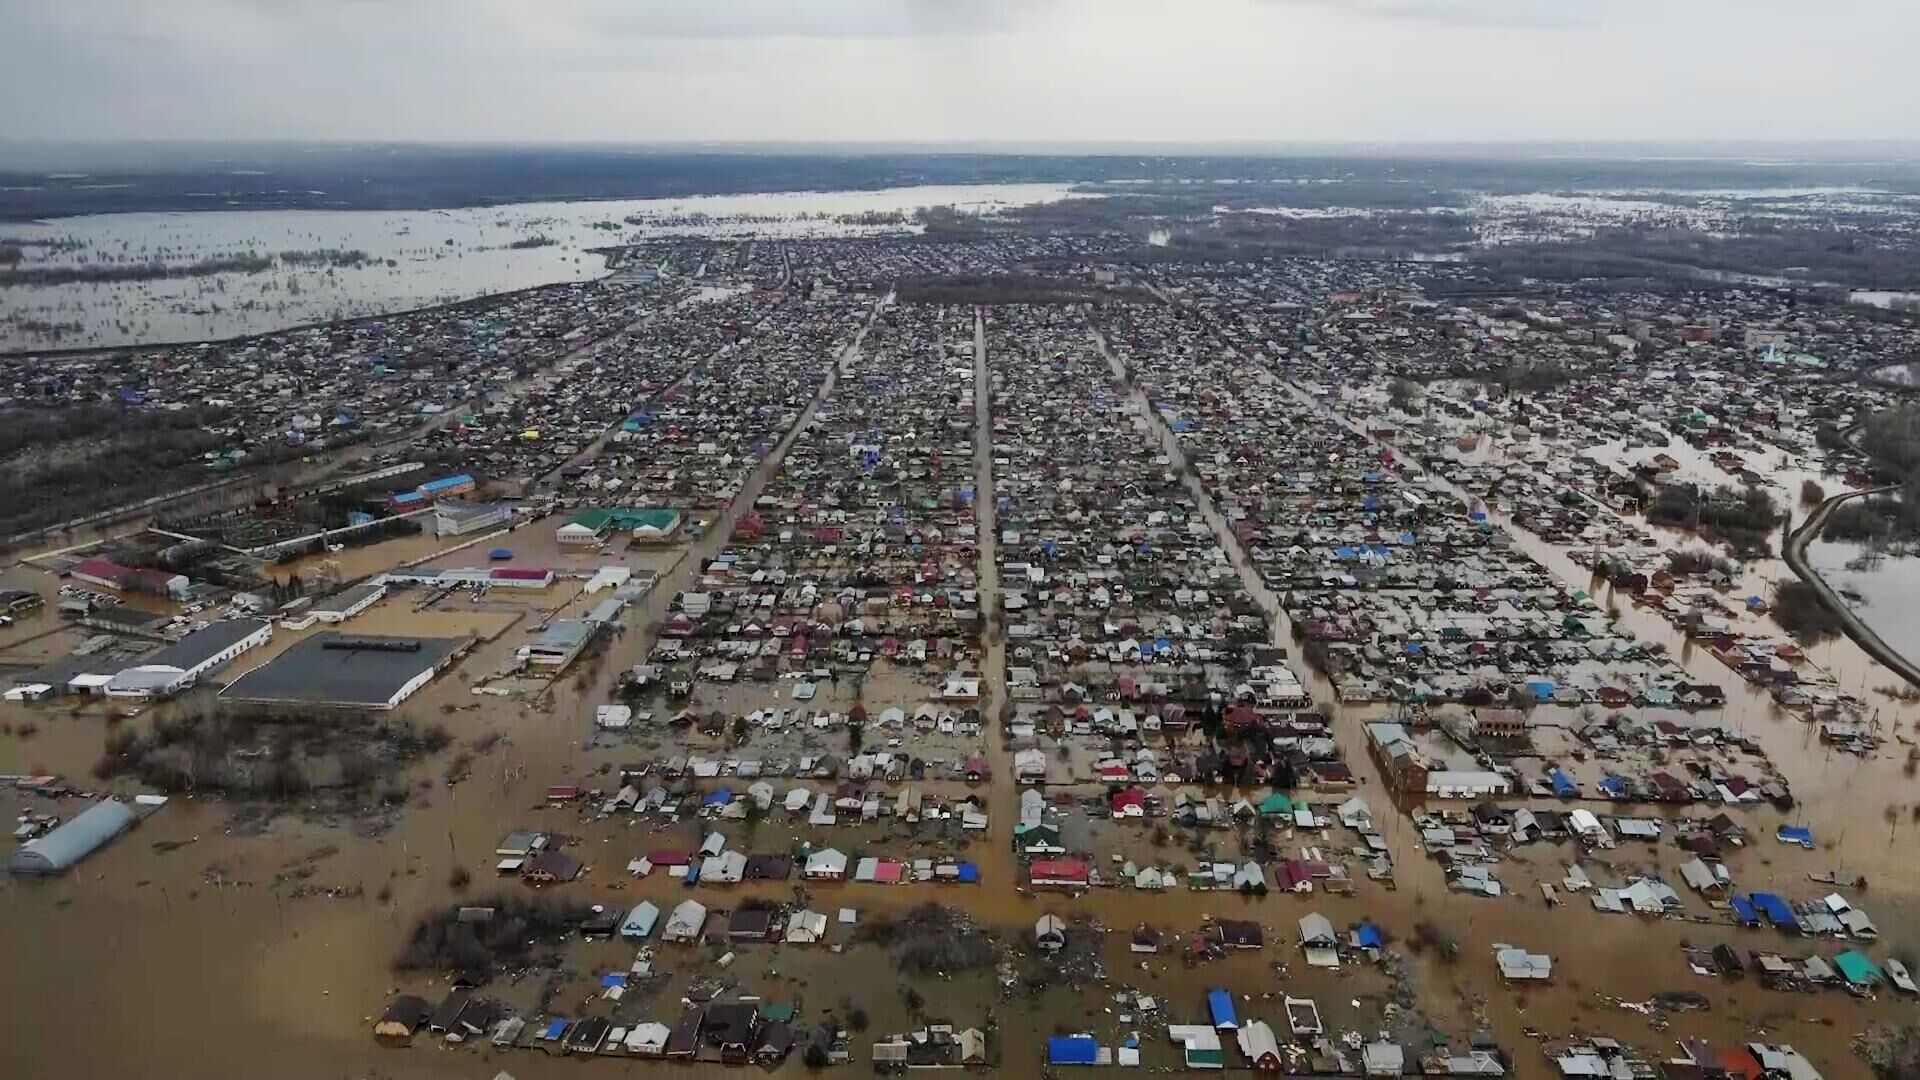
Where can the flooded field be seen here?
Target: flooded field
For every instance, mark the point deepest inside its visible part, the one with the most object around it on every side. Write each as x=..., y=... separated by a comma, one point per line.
x=1882, y=587
x=367, y=262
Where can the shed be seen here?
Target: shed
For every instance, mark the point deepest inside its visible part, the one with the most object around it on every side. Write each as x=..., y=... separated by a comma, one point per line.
x=1220, y=1008
x=1072, y=1050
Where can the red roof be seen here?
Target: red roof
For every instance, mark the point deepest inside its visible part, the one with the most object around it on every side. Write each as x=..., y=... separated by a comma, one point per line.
x=669, y=857
x=518, y=573
x=1129, y=797
x=1058, y=870
x=103, y=569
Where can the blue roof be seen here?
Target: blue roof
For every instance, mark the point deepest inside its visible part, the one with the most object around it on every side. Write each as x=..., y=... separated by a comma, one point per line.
x=969, y=872
x=1220, y=1005
x=1744, y=911
x=1796, y=834
x=1562, y=783
x=444, y=482
x=719, y=797
x=1367, y=936
x=1777, y=911
x=554, y=1027
x=1613, y=785
x=1072, y=1050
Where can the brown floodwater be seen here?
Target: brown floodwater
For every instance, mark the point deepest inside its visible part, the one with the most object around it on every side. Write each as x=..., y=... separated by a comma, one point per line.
x=188, y=961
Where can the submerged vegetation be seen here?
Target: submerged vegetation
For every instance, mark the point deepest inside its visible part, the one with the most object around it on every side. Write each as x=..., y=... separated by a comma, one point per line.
x=1801, y=612
x=105, y=273
x=273, y=754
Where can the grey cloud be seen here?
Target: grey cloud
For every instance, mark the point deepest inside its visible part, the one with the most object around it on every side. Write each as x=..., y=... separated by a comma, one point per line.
x=1568, y=14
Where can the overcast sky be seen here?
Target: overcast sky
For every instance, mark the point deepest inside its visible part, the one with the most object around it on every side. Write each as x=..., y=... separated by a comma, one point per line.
x=1147, y=70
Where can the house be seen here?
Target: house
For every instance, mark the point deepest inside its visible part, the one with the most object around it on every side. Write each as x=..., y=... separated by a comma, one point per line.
x=827, y=864
x=1259, y=1046
x=1050, y=933
x=732, y=1028
x=446, y=1016
x=1146, y=939
x=648, y=1039
x=639, y=923
x=1519, y=965
x=552, y=868
x=1240, y=934
x=687, y=924
x=750, y=924
x=1201, y=1043
x=1382, y=1058
x=1316, y=932
x=402, y=1017
x=1058, y=874
x=805, y=928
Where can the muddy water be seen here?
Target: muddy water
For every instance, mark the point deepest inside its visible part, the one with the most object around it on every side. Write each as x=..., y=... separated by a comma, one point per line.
x=1888, y=587
x=188, y=962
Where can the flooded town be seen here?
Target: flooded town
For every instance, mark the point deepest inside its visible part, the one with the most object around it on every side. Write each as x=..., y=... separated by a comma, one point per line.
x=1022, y=629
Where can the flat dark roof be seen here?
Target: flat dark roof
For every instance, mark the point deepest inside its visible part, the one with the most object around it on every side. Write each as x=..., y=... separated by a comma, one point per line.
x=332, y=668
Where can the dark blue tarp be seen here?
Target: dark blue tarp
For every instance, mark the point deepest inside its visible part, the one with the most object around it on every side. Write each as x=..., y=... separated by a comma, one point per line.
x=1072, y=1050
x=1220, y=1005
x=1777, y=911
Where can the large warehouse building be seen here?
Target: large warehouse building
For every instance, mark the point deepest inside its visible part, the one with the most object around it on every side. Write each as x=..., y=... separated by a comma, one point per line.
x=351, y=671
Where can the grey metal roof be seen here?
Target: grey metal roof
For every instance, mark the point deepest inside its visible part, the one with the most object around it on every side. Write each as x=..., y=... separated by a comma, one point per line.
x=75, y=840
x=565, y=635
x=193, y=650
x=332, y=668
x=347, y=598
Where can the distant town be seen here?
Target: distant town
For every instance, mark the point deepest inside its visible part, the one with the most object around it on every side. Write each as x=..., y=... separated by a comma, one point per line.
x=1299, y=625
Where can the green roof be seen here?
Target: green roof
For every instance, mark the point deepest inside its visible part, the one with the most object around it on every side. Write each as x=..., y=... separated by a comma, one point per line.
x=1206, y=1057
x=1276, y=803
x=626, y=517
x=1857, y=967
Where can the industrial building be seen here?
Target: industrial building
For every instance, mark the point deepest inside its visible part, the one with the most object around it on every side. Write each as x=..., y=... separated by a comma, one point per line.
x=339, y=670
x=347, y=603
x=181, y=664
x=431, y=492
x=112, y=575
x=647, y=525
x=457, y=517
x=60, y=850
x=560, y=642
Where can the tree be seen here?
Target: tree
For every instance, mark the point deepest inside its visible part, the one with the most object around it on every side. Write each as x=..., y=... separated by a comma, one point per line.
x=1404, y=394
